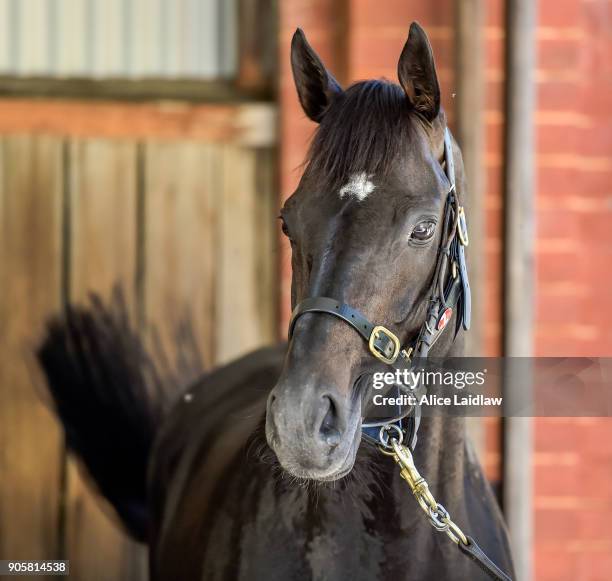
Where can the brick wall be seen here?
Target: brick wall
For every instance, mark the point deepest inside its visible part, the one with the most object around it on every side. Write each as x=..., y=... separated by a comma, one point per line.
x=363, y=38
x=573, y=457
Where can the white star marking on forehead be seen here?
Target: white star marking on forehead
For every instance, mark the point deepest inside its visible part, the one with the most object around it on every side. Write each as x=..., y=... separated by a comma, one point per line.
x=359, y=186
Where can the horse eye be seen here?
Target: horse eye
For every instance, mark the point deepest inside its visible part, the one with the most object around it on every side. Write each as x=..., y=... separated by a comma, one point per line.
x=423, y=231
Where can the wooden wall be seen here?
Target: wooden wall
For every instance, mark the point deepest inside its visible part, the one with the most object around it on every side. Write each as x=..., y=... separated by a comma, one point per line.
x=185, y=224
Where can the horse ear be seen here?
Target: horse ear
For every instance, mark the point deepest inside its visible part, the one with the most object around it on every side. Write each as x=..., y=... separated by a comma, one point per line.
x=316, y=87
x=417, y=73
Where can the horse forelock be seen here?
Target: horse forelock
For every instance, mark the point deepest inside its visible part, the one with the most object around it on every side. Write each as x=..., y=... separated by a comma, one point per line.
x=364, y=131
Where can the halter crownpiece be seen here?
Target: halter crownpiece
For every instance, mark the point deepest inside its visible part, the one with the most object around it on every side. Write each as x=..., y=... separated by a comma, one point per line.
x=450, y=294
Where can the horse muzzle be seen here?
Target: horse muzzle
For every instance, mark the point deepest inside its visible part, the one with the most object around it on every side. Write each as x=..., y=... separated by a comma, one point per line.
x=313, y=430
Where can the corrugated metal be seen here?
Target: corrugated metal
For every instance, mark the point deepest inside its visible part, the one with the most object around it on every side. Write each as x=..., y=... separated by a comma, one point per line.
x=118, y=38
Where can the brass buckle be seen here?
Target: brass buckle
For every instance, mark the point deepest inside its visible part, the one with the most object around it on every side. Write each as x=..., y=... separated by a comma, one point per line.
x=462, y=227
x=375, y=335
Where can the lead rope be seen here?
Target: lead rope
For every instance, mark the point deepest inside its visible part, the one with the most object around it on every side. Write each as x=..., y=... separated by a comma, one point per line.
x=438, y=516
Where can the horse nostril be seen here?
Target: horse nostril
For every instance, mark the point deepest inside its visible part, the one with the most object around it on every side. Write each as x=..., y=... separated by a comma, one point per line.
x=331, y=436
x=329, y=431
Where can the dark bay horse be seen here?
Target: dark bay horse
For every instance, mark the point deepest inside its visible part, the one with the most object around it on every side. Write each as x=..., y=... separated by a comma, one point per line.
x=259, y=470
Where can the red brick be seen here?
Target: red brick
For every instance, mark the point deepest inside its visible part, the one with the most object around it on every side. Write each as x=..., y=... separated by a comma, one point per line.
x=594, y=563
x=494, y=97
x=495, y=13
x=559, y=13
x=597, y=138
x=310, y=15
x=554, y=564
x=559, y=95
x=368, y=13
x=559, y=54
x=381, y=53
x=559, y=139
x=494, y=53
x=552, y=526
x=554, y=309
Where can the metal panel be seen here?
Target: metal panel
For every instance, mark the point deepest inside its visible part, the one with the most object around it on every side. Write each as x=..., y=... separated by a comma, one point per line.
x=32, y=31
x=119, y=38
x=5, y=62
x=107, y=53
x=171, y=35
x=143, y=36
x=70, y=26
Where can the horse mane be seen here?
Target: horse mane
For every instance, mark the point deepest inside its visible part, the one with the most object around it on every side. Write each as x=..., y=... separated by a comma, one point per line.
x=365, y=129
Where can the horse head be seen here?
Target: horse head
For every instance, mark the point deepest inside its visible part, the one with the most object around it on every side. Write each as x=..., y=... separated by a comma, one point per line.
x=365, y=225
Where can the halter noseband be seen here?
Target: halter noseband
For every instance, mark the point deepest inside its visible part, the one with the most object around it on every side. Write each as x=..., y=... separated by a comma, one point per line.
x=450, y=292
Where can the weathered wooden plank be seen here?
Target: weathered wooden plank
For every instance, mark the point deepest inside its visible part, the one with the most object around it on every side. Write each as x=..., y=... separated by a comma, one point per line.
x=103, y=204
x=103, y=234
x=247, y=124
x=31, y=453
x=182, y=184
x=209, y=241
x=266, y=216
x=236, y=282
x=239, y=273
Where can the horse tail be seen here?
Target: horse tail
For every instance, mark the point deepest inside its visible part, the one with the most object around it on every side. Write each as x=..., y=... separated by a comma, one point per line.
x=110, y=398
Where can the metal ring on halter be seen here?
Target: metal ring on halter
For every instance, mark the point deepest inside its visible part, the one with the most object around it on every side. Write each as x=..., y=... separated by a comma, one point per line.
x=385, y=441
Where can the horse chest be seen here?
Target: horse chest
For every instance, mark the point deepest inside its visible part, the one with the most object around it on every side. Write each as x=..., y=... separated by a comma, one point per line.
x=268, y=530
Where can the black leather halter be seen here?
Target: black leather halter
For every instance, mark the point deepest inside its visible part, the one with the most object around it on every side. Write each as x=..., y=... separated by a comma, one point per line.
x=450, y=294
